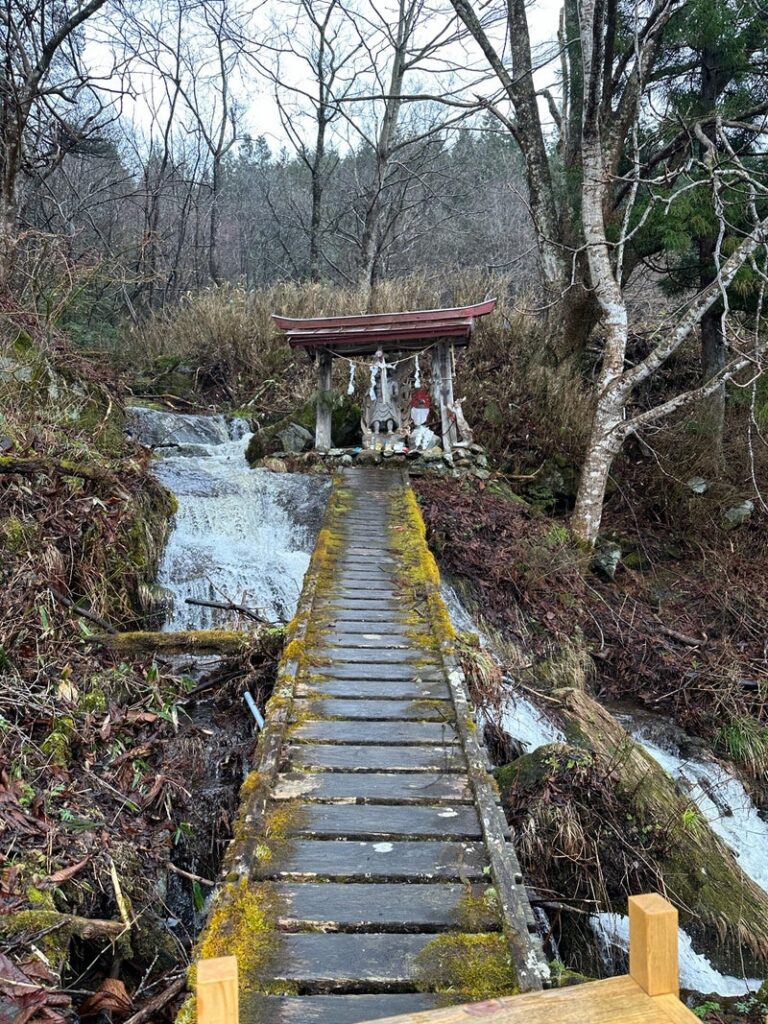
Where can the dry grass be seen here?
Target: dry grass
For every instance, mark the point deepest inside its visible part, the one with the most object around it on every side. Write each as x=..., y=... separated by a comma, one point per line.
x=236, y=356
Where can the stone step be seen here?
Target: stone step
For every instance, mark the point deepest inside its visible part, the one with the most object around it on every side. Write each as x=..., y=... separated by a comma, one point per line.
x=394, y=906
x=372, y=710
x=385, y=821
x=416, y=860
x=333, y=1009
x=362, y=689
x=341, y=757
x=374, y=787
x=376, y=733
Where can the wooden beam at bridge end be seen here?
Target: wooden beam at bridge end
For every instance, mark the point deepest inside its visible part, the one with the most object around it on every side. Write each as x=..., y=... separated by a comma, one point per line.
x=653, y=953
x=217, y=993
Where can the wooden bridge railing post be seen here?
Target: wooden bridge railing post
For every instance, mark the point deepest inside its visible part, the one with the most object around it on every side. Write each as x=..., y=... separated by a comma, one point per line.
x=653, y=953
x=217, y=993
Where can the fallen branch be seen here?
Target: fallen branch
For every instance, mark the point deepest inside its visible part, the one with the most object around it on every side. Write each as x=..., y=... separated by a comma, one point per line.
x=194, y=641
x=69, y=603
x=33, y=922
x=59, y=467
x=227, y=606
x=683, y=638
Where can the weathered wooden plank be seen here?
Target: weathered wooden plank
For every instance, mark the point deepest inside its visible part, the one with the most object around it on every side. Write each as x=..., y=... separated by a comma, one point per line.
x=371, y=758
x=328, y=962
x=376, y=733
x=345, y=1009
x=328, y=609
x=374, y=787
x=361, y=821
x=395, y=624
x=353, y=670
x=386, y=639
x=376, y=688
x=415, y=860
x=353, y=603
x=370, y=710
x=378, y=655
x=386, y=905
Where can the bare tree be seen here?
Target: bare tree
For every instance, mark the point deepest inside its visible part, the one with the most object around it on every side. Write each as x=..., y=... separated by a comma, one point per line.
x=614, y=420
x=42, y=72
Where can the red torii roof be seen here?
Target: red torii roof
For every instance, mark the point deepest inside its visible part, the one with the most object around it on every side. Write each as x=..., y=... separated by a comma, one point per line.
x=387, y=330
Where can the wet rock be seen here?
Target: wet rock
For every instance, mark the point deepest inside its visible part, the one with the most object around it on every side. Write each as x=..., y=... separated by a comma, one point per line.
x=274, y=465
x=295, y=438
x=481, y=474
x=347, y=460
x=606, y=559
x=739, y=514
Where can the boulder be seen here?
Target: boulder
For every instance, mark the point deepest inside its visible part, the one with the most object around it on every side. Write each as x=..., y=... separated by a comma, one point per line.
x=295, y=438
x=606, y=559
x=739, y=514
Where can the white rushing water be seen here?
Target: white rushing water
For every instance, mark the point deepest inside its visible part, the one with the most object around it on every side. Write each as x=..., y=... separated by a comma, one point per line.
x=720, y=797
x=240, y=534
x=696, y=971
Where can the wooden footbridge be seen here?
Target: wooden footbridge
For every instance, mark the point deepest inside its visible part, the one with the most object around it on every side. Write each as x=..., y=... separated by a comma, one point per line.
x=372, y=871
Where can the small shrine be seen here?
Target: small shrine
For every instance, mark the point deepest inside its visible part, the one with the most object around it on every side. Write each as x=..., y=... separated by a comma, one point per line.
x=402, y=365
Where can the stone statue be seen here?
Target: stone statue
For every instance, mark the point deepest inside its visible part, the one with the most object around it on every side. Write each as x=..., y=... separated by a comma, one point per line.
x=384, y=416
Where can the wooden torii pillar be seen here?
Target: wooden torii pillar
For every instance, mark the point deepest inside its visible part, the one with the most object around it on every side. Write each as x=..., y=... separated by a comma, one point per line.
x=324, y=410
x=447, y=418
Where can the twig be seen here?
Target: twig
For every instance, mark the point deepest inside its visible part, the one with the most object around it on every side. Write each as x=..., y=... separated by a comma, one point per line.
x=148, y=1011
x=188, y=874
x=683, y=638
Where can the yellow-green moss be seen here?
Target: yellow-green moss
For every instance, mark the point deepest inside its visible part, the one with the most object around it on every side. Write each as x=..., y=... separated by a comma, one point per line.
x=418, y=568
x=467, y=968
x=478, y=909
x=243, y=923
x=57, y=744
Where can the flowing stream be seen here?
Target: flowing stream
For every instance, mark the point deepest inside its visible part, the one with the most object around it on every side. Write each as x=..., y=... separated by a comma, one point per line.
x=720, y=797
x=240, y=535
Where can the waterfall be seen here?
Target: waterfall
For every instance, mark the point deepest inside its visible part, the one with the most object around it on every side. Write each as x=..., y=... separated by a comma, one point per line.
x=721, y=798
x=240, y=535
x=696, y=972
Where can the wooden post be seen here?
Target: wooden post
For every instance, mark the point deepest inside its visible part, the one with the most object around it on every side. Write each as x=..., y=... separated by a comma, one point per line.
x=653, y=954
x=446, y=394
x=324, y=399
x=217, y=995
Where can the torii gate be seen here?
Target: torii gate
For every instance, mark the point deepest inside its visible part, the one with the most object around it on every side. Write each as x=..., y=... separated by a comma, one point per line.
x=400, y=337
